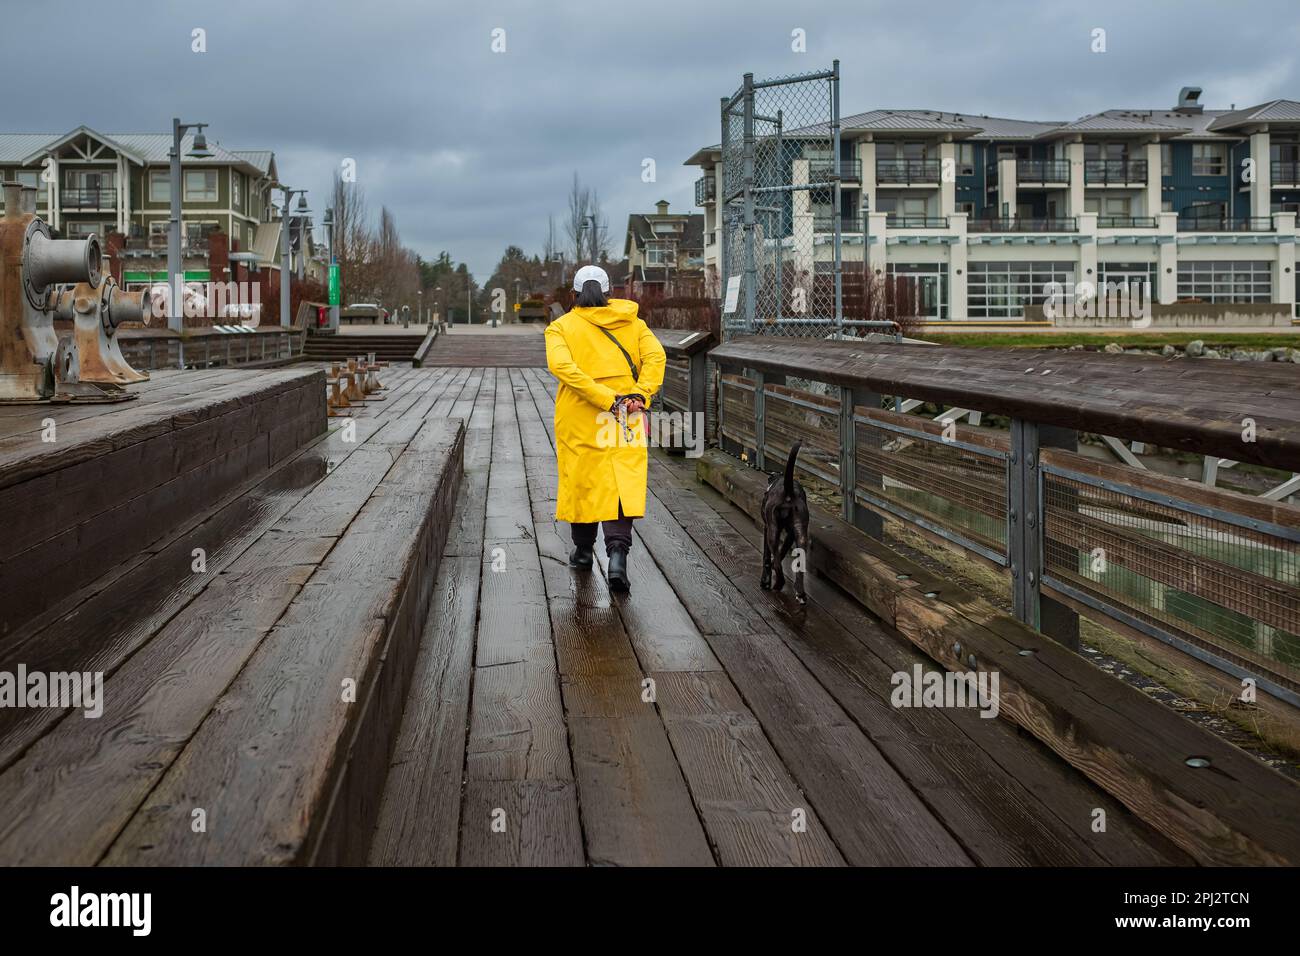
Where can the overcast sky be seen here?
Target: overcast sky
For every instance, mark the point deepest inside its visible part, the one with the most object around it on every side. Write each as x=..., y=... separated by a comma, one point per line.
x=472, y=149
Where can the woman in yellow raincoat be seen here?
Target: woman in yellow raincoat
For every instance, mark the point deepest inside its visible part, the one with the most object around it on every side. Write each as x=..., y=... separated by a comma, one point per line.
x=609, y=365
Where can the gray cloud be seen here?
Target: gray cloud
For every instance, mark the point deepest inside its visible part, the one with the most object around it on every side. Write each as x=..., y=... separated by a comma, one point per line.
x=472, y=149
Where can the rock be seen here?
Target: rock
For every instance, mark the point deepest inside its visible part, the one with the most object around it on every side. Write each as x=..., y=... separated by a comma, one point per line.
x=1264, y=356
x=1168, y=351
x=1295, y=355
x=1281, y=355
x=1079, y=348
x=1240, y=355
x=1114, y=349
x=1212, y=353
x=1195, y=348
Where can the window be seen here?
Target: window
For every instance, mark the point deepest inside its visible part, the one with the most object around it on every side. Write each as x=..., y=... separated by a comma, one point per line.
x=1166, y=159
x=237, y=189
x=89, y=189
x=965, y=159
x=158, y=232
x=160, y=185
x=201, y=185
x=1128, y=275
x=968, y=208
x=660, y=254
x=1209, y=159
x=80, y=230
x=196, y=233
x=1231, y=281
x=1001, y=290
x=1167, y=205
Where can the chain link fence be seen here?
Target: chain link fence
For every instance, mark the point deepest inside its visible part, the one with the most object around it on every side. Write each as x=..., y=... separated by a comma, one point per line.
x=783, y=210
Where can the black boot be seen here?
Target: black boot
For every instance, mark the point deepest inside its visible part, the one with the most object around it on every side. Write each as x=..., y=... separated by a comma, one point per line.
x=581, y=557
x=618, y=579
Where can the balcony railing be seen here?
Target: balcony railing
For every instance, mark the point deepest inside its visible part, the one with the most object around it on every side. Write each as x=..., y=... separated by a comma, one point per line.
x=1115, y=172
x=907, y=171
x=706, y=190
x=1219, y=224
x=1023, y=224
x=1126, y=222
x=1030, y=171
x=1286, y=172
x=821, y=170
x=916, y=222
x=849, y=225
x=93, y=198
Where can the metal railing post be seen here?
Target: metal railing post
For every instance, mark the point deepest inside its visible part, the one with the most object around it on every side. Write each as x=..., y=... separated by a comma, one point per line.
x=1025, y=531
x=862, y=518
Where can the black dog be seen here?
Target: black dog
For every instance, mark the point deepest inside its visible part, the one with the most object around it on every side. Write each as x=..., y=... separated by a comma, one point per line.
x=785, y=524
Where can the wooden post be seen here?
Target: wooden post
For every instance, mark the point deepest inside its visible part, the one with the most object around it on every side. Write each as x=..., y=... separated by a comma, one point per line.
x=729, y=445
x=760, y=419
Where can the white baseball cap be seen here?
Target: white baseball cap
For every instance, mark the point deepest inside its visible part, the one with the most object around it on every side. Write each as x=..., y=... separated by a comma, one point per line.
x=587, y=273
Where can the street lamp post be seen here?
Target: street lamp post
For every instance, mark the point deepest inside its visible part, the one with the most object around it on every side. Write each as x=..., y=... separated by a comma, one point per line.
x=286, y=267
x=175, y=269
x=442, y=306
x=329, y=238
x=302, y=233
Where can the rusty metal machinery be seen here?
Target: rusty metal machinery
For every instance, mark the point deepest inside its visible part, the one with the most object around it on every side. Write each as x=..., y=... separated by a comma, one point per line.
x=35, y=364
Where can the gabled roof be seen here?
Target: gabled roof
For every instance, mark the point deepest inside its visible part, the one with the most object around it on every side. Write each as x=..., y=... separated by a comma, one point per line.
x=1274, y=111
x=1117, y=121
x=146, y=149
x=262, y=159
x=59, y=142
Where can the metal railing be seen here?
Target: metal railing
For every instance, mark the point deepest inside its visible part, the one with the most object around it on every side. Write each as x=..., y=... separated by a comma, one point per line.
x=850, y=225
x=706, y=190
x=1114, y=172
x=1285, y=172
x=1223, y=224
x=1126, y=222
x=916, y=222
x=1023, y=224
x=1213, y=573
x=1040, y=171
x=907, y=171
x=92, y=198
x=821, y=170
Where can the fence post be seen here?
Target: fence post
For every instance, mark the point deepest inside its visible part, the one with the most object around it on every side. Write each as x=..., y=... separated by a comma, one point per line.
x=696, y=395
x=862, y=518
x=760, y=419
x=1026, y=533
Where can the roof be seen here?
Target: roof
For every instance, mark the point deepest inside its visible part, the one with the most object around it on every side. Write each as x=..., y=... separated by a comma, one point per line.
x=1160, y=123
x=1274, y=111
x=639, y=230
x=266, y=243
x=144, y=148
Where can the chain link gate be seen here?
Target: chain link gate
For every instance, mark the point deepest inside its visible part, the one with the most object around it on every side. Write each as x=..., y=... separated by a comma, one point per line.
x=780, y=201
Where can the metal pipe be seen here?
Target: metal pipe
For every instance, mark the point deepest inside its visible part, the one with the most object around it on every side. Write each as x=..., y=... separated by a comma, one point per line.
x=49, y=261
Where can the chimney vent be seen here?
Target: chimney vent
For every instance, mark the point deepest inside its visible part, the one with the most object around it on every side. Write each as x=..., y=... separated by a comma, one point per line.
x=1189, y=100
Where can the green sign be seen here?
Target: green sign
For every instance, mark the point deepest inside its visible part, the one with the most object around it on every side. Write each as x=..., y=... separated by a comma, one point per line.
x=334, y=283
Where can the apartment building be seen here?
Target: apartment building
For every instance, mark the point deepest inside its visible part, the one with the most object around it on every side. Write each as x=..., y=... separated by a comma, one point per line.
x=984, y=212
x=664, y=253
x=92, y=182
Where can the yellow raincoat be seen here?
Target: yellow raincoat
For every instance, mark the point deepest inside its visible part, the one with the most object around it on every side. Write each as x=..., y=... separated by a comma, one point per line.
x=598, y=466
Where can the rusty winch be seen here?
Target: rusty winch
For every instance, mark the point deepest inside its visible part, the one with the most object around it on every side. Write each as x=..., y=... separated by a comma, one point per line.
x=42, y=278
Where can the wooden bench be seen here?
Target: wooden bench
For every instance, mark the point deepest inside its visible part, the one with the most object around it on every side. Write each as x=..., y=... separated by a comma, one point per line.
x=255, y=726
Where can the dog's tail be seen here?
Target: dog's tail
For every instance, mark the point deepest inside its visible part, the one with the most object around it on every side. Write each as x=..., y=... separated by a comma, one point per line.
x=789, y=469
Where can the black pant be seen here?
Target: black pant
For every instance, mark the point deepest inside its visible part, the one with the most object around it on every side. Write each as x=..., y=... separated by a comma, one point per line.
x=618, y=533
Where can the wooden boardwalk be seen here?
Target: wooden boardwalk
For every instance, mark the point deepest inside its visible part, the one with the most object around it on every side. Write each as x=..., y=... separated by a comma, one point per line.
x=532, y=718
x=699, y=721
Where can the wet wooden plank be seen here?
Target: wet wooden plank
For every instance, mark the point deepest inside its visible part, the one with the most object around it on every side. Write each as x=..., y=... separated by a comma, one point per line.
x=289, y=708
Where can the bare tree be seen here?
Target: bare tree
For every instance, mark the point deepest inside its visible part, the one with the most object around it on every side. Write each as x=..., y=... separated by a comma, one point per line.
x=575, y=225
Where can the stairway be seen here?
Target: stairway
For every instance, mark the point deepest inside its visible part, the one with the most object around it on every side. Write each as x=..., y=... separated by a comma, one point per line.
x=387, y=346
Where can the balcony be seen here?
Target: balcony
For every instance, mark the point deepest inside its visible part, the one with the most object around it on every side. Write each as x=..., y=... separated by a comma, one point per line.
x=1042, y=172
x=821, y=170
x=1115, y=172
x=916, y=222
x=908, y=172
x=1219, y=224
x=1126, y=222
x=93, y=198
x=1026, y=224
x=849, y=225
x=1285, y=173
x=706, y=190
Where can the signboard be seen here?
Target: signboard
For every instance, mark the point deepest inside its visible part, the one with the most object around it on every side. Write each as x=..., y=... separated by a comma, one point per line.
x=733, y=294
x=334, y=283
